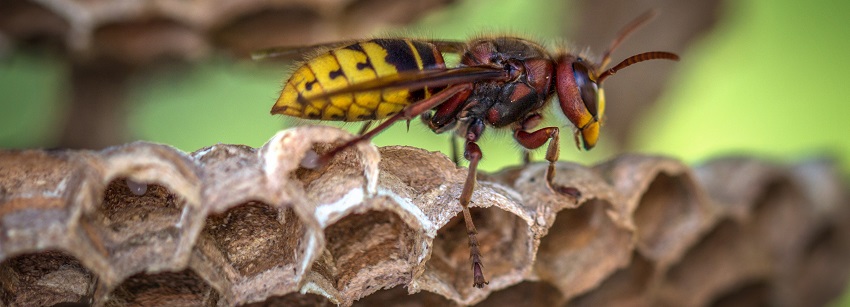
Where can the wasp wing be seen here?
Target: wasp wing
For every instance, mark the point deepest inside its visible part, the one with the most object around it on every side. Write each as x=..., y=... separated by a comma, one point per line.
x=297, y=52
x=448, y=46
x=418, y=79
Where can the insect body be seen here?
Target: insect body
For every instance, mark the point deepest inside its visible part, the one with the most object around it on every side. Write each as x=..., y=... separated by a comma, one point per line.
x=501, y=82
x=353, y=64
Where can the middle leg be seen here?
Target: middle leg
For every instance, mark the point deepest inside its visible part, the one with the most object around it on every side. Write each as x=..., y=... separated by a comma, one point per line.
x=533, y=140
x=453, y=145
x=472, y=153
x=527, y=124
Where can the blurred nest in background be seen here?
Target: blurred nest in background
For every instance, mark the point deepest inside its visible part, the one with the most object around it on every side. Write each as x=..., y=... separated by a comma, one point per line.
x=142, y=32
x=107, y=42
x=145, y=224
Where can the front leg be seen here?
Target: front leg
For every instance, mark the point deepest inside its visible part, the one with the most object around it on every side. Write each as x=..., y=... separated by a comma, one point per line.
x=533, y=140
x=526, y=124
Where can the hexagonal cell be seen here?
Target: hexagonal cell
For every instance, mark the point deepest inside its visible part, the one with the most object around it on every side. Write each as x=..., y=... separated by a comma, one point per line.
x=387, y=11
x=725, y=259
x=137, y=225
x=583, y=247
x=294, y=299
x=232, y=176
x=342, y=174
x=782, y=203
x=734, y=183
x=249, y=32
x=629, y=286
x=29, y=21
x=756, y=293
x=398, y=296
x=253, y=238
x=286, y=157
x=668, y=218
x=526, y=293
x=506, y=246
x=366, y=252
x=40, y=199
x=259, y=249
x=182, y=288
x=131, y=42
x=418, y=169
x=254, y=244
x=45, y=278
x=147, y=214
x=821, y=275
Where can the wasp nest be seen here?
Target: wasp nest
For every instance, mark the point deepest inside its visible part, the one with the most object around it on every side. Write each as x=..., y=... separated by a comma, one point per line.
x=139, y=32
x=145, y=224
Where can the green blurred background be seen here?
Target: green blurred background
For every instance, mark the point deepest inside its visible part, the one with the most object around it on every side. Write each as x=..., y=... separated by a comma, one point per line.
x=768, y=81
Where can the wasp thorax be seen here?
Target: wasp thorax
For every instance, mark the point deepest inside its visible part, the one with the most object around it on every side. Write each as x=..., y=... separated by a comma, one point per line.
x=529, y=69
x=501, y=51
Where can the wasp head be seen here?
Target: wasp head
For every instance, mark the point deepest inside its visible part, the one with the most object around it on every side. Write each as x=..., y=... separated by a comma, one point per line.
x=582, y=99
x=579, y=87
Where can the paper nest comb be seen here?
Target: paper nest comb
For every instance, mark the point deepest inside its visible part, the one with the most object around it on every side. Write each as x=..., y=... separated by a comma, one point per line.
x=146, y=224
x=144, y=32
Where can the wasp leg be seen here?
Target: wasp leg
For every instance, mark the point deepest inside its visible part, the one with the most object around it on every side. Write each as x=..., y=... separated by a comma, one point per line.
x=526, y=156
x=533, y=140
x=409, y=112
x=366, y=126
x=527, y=124
x=473, y=154
x=453, y=143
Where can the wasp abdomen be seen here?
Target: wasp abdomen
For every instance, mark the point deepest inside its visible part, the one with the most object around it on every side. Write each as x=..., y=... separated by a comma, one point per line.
x=352, y=64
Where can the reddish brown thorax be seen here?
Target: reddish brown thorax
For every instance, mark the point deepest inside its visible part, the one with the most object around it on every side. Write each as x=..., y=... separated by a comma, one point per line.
x=501, y=103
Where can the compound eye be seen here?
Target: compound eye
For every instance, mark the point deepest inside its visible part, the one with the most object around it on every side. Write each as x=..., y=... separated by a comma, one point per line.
x=587, y=88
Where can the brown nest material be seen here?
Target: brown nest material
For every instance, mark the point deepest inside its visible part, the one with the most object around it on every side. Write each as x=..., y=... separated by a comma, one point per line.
x=146, y=224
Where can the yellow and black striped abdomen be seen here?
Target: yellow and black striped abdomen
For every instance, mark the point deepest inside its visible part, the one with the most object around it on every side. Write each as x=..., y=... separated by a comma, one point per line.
x=355, y=63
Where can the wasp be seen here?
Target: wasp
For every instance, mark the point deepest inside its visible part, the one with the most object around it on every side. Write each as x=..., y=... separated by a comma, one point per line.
x=500, y=82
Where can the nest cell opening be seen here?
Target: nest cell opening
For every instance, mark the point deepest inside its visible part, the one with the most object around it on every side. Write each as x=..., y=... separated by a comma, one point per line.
x=32, y=23
x=44, y=279
x=504, y=241
x=345, y=164
x=255, y=237
x=184, y=288
x=422, y=171
x=526, y=293
x=723, y=259
x=582, y=247
x=664, y=213
x=822, y=270
x=268, y=28
x=781, y=203
x=148, y=40
x=132, y=218
x=626, y=287
x=367, y=252
x=398, y=296
x=295, y=299
x=756, y=293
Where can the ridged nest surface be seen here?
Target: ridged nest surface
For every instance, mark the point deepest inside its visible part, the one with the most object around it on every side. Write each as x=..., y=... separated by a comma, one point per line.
x=146, y=224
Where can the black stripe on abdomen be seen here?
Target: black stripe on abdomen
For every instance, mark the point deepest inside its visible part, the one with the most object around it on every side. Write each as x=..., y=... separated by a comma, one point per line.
x=426, y=53
x=398, y=54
